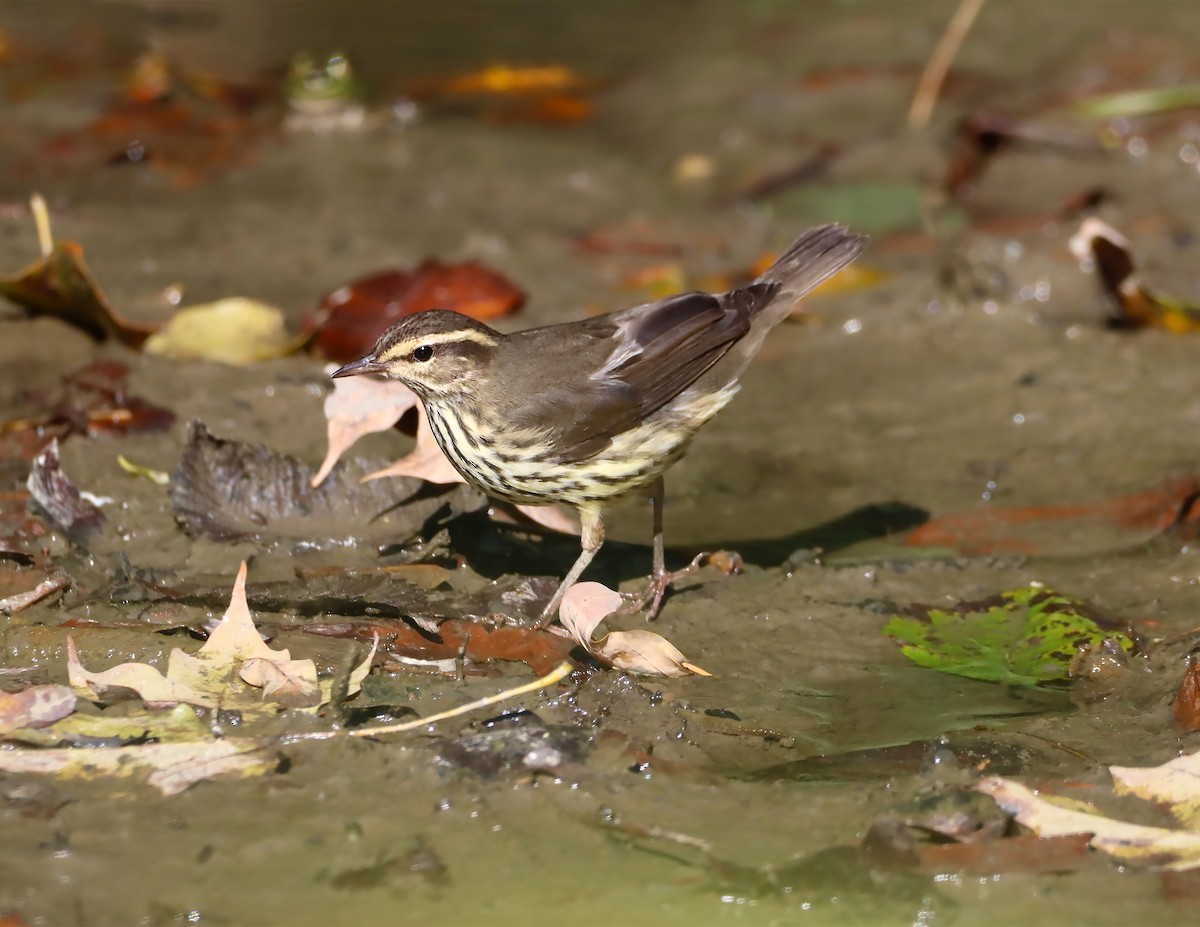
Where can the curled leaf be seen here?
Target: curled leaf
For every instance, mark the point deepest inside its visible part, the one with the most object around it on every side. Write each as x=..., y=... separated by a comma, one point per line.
x=587, y=604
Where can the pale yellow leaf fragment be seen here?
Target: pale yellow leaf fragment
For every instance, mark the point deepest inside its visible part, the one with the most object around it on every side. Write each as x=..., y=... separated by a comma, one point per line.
x=1156, y=846
x=587, y=604
x=171, y=768
x=360, y=672
x=234, y=331
x=1175, y=783
x=148, y=683
x=289, y=682
x=358, y=406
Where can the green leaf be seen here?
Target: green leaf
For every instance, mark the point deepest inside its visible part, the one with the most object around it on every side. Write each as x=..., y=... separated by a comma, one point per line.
x=1027, y=637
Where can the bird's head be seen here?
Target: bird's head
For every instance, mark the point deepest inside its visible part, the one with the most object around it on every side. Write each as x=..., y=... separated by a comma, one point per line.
x=439, y=355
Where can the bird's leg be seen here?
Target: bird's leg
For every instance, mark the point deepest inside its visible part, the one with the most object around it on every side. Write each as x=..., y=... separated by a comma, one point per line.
x=592, y=538
x=660, y=579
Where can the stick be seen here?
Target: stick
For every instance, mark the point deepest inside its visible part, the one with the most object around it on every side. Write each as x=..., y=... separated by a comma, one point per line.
x=935, y=71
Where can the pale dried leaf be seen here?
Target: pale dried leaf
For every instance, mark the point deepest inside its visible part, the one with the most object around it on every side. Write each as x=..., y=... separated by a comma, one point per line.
x=36, y=706
x=1157, y=846
x=587, y=604
x=171, y=768
x=425, y=462
x=358, y=406
x=289, y=682
x=1175, y=783
x=359, y=673
x=148, y=683
x=176, y=725
x=644, y=652
x=554, y=517
x=236, y=637
x=584, y=606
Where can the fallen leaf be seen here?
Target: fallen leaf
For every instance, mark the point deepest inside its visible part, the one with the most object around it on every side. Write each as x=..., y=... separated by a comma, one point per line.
x=361, y=405
x=60, y=285
x=1137, y=305
x=55, y=493
x=1154, y=846
x=1175, y=783
x=228, y=490
x=587, y=604
x=358, y=406
x=352, y=317
x=171, y=768
x=210, y=677
x=1186, y=706
x=37, y=706
x=161, y=477
x=1026, y=637
x=55, y=582
x=1132, y=518
x=179, y=724
x=234, y=331
x=1140, y=102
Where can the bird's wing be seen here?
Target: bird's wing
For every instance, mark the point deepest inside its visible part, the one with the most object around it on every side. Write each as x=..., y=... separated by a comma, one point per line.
x=650, y=354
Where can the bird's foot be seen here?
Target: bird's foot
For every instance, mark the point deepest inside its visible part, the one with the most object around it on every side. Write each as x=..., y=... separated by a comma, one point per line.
x=651, y=598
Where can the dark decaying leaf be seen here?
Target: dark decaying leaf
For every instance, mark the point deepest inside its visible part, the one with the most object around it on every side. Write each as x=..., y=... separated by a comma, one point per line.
x=228, y=490
x=54, y=492
x=61, y=285
x=353, y=316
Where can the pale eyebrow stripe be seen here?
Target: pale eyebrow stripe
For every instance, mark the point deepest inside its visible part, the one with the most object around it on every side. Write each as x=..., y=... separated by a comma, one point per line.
x=408, y=345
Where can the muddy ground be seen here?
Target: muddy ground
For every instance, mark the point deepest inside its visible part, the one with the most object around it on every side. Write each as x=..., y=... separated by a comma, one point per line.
x=977, y=372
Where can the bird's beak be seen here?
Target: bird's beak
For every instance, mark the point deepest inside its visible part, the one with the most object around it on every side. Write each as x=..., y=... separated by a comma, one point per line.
x=367, y=364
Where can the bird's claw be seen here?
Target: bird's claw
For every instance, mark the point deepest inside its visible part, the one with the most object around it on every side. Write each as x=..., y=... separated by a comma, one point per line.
x=651, y=598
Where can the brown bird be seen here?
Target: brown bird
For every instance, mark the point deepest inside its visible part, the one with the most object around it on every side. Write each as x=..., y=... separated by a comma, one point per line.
x=585, y=412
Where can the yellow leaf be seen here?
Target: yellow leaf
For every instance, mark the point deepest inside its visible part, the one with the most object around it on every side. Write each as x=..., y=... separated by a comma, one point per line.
x=234, y=331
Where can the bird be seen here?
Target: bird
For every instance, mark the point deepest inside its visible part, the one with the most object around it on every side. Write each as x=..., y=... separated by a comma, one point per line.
x=588, y=411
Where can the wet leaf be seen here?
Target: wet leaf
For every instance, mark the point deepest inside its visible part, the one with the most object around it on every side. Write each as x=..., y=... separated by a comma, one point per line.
x=1175, y=783
x=1186, y=706
x=37, y=706
x=55, y=493
x=234, y=331
x=55, y=582
x=171, y=768
x=1135, y=843
x=210, y=678
x=229, y=490
x=1132, y=518
x=179, y=724
x=1029, y=638
x=587, y=604
x=353, y=316
x=1137, y=305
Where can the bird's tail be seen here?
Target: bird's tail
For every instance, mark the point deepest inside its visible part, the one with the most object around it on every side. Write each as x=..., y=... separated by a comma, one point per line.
x=810, y=260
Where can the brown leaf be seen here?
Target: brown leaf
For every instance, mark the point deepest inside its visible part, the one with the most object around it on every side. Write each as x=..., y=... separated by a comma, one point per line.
x=60, y=285
x=36, y=706
x=1186, y=707
x=352, y=317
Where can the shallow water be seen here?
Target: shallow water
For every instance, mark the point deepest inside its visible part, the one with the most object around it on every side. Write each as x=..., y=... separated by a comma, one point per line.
x=977, y=374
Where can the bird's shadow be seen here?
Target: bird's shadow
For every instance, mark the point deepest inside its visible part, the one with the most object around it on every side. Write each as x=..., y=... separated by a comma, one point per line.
x=494, y=549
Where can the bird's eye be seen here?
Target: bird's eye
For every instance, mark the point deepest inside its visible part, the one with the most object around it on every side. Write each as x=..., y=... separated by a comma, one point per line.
x=423, y=353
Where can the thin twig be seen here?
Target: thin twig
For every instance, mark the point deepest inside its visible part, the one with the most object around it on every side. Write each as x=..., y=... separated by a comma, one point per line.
x=41, y=221
x=934, y=75
x=560, y=672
